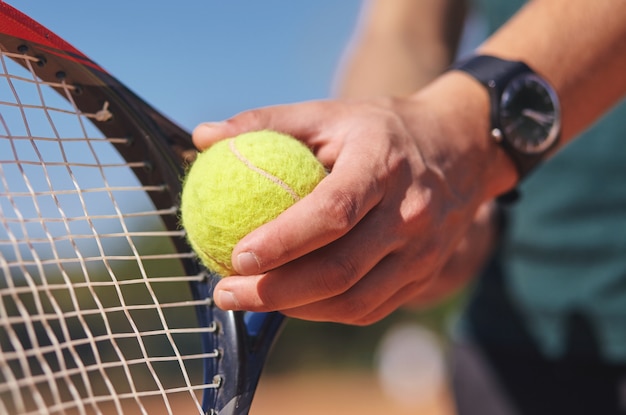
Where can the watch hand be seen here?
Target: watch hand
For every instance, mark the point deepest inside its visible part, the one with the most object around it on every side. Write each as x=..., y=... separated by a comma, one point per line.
x=538, y=117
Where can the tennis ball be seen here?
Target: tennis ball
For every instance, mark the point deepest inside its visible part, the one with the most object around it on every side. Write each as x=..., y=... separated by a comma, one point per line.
x=239, y=184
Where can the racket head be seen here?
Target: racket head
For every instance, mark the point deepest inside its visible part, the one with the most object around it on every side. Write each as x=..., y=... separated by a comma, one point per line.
x=70, y=314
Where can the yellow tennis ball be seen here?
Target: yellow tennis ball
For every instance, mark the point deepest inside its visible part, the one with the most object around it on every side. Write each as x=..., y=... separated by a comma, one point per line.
x=239, y=184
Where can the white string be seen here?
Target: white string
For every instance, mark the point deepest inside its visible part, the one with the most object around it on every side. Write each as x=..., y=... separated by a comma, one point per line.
x=23, y=310
x=50, y=245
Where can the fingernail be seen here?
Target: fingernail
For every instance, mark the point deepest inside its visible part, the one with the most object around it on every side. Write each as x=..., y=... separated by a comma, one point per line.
x=248, y=263
x=226, y=300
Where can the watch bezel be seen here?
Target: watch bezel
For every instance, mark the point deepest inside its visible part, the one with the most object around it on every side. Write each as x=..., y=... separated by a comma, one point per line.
x=553, y=134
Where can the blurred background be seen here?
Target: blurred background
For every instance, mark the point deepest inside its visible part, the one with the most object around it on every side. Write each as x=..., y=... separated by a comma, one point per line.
x=202, y=60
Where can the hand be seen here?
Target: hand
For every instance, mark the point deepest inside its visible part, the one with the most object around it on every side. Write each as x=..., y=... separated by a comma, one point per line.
x=466, y=261
x=380, y=225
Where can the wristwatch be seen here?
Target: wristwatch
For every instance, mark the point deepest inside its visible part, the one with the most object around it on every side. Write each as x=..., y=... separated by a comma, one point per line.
x=525, y=112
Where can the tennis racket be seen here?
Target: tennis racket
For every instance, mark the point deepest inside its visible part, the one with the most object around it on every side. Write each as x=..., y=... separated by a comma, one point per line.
x=103, y=306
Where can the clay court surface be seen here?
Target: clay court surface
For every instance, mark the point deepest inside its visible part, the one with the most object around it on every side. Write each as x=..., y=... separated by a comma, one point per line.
x=330, y=393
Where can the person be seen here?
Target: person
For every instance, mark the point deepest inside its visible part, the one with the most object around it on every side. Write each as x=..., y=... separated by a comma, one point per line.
x=411, y=211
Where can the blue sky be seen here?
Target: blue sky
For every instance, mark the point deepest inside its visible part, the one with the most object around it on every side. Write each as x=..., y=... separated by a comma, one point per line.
x=200, y=60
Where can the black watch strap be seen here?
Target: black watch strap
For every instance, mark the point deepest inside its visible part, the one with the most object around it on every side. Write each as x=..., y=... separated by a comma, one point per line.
x=492, y=72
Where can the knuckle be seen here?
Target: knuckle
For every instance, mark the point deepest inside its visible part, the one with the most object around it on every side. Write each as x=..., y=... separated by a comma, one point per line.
x=429, y=256
x=338, y=274
x=356, y=312
x=343, y=211
x=268, y=303
x=252, y=119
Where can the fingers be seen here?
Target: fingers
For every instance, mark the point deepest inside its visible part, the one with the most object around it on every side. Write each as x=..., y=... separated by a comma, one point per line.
x=354, y=187
x=207, y=134
x=334, y=207
x=323, y=273
x=358, y=301
x=300, y=121
x=351, y=280
x=353, y=308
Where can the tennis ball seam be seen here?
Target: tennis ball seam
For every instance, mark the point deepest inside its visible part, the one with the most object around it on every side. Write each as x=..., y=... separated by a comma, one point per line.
x=264, y=173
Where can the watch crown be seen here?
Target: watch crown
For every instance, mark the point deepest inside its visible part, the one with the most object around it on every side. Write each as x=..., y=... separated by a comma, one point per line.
x=496, y=133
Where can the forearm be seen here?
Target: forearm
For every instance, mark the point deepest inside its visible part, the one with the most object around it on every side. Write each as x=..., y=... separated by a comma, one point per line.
x=400, y=46
x=577, y=45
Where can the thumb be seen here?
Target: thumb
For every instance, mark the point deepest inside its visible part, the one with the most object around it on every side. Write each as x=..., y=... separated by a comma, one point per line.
x=207, y=134
x=299, y=120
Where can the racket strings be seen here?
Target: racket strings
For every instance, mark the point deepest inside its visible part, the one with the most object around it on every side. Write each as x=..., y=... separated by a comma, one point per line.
x=28, y=277
x=93, y=302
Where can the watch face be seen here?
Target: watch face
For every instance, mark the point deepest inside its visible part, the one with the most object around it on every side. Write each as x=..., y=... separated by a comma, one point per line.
x=529, y=114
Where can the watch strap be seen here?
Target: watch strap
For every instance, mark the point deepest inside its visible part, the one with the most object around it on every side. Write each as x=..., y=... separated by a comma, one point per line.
x=495, y=74
x=492, y=72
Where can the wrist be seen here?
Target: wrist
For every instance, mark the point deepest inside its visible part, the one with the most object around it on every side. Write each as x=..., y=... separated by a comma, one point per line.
x=469, y=158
